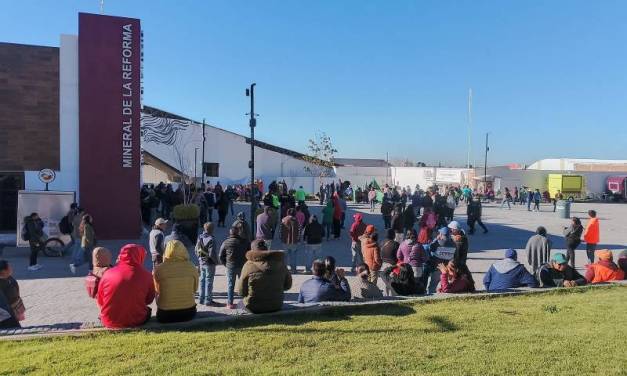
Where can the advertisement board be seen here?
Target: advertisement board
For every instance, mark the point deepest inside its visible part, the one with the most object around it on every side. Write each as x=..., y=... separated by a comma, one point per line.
x=109, y=58
x=50, y=205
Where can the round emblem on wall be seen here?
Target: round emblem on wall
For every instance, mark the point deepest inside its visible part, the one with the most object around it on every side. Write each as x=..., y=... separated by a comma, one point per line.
x=46, y=175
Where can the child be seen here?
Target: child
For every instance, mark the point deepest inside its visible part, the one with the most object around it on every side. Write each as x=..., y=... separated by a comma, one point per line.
x=101, y=262
x=10, y=290
x=208, y=259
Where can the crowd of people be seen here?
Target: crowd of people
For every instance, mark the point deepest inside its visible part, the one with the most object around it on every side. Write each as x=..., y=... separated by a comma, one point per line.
x=421, y=250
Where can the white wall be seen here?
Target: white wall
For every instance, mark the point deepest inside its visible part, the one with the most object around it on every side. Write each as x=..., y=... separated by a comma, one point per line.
x=228, y=149
x=67, y=176
x=427, y=176
x=568, y=164
x=361, y=176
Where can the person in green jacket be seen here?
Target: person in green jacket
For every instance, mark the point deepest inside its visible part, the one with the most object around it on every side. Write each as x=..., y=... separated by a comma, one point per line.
x=300, y=195
x=327, y=218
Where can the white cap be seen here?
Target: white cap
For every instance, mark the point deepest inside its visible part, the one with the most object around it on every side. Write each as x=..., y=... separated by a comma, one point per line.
x=454, y=225
x=160, y=221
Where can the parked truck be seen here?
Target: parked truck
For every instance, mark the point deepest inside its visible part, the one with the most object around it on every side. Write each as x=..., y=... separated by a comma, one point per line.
x=617, y=187
x=571, y=186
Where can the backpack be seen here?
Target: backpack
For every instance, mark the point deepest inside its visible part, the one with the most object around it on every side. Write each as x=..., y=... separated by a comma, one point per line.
x=65, y=226
x=25, y=234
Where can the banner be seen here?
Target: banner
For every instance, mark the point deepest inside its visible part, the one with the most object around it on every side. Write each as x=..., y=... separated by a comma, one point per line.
x=109, y=58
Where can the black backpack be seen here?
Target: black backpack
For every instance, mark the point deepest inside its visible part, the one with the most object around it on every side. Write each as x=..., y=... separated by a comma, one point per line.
x=65, y=226
x=25, y=234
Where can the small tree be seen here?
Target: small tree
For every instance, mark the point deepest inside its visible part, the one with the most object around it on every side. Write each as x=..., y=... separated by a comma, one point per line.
x=320, y=157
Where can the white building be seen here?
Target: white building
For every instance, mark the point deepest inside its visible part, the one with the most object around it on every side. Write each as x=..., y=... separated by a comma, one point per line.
x=173, y=144
x=579, y=164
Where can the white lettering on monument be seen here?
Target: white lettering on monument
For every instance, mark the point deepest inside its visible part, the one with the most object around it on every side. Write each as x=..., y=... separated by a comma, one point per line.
x=127, y=93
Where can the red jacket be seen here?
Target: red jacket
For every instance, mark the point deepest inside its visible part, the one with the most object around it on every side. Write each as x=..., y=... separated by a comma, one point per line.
x=126, y=289
x=357, y=228
x=603, y=271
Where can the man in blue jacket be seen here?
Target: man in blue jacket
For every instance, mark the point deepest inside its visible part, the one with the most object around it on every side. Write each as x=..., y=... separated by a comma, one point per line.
x=508, y=273
x=320, y=289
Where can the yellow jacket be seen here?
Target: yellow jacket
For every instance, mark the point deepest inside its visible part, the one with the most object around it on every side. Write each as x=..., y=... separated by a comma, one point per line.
x=176, y=279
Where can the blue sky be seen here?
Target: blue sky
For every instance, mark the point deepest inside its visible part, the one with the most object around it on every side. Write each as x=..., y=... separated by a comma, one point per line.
x=549, y=79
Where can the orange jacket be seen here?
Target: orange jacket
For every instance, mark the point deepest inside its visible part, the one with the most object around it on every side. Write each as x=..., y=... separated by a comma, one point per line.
x=372, y=253
x=603, y=272
x=591, y=234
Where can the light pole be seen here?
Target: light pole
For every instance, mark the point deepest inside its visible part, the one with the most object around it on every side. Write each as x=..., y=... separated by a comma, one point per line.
x=195, y=165
x=202, y=164
x=485, y=165
x=250, y=92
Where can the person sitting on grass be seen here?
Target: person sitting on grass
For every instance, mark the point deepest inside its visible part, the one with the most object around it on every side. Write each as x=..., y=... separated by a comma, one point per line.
x=126, y=290
x=401, y=280
x=320, y=289
x=622, y=261
x=264, y=279
x=455, y=279
x=557, y=273
x=604, y=270
x=10, y=291
x=365, y=288
x=330, y=272
x=507, y=274
x=176, y=282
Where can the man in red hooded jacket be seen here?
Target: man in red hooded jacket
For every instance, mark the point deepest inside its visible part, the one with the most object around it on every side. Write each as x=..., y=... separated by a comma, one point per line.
x=357, y=229
x=125, y=290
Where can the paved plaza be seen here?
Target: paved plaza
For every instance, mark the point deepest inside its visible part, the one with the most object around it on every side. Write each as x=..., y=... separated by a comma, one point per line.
x=54, y=296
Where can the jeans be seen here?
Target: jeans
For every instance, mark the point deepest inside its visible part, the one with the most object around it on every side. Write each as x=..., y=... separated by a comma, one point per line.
x=231, y=206
x=207, y=273
x=529, y=205
x=292, y=256
x=88, y=254
x=311, y=253
x=231, y=275
x=590, y=248
x=78, y=255
x=327, y=229
x=35, y=247
x=508, y=201
x=357, y=258
x=536, y=205
x=372, y=203
x=434, y=281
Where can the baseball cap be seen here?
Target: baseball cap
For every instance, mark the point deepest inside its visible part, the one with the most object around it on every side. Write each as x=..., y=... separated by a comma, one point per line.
x=454, y=225
x=160, y=221
x=511, y=254
x=559, y=258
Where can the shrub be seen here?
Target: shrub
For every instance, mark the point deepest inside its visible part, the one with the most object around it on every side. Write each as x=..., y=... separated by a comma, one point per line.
x=183, y=212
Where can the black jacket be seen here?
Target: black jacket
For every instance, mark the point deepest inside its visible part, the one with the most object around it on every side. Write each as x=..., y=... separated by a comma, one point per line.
x=474, y=209
x=233, y=252
x=573, y=236
x=397, y=223
x=550, y=277
x=314, y=232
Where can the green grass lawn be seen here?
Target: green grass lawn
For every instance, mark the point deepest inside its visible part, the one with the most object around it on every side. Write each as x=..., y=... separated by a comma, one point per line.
x=576, y=332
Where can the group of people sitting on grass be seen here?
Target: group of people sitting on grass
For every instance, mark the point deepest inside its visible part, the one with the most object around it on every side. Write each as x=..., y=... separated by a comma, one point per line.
x=406, y=265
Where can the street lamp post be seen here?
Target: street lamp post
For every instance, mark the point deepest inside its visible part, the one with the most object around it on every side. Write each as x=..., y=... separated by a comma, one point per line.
x=485, y=165
x=195, y=165
x=202, y=163
x=250, y=92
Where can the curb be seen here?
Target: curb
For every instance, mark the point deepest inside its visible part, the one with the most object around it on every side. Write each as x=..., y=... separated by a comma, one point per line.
x=80, y=329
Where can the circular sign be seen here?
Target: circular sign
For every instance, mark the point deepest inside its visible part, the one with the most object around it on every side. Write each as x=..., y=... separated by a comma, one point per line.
x=46, y=175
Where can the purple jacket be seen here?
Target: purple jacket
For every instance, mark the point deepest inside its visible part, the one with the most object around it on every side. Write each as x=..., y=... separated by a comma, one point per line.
x=411, y=253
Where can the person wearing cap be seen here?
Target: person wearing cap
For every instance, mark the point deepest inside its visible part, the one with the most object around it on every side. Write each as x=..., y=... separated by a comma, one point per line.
x=356, y=231
x=507, y=274
x=371, y=252
x=264, y=279
x=461, y=243
x=557, y=273
x=538, y=249
x=156, y=241
x=604, y=270
x=474, y=212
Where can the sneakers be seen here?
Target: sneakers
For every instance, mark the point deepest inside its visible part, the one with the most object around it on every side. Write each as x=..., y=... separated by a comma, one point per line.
x=34, y=268
x=72, y=269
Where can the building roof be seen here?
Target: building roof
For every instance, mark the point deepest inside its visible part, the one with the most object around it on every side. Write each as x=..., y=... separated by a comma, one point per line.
x=359, y=162
x=260, y=144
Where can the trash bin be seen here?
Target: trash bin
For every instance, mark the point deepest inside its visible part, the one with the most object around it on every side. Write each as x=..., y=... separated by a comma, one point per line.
x=563, y=209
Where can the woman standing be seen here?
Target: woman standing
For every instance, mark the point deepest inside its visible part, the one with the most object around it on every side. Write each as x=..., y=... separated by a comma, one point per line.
x=223, y=208
x=88, y=241
x=572, y=234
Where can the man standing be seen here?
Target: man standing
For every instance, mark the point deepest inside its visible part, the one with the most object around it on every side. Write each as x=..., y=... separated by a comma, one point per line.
x=233, y=256
x=300, y=195
x=538, y=249
x=265, y=226
x=558, y=196
x=290, y=231
x=312, y=236
x=474, y=212
x=357, y=230
x=537, y=196
x=591, y=235
x=157, y=241
x=34, y=234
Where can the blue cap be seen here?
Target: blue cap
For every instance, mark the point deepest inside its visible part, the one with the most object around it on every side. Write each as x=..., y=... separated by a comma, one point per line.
x=443, y=230
x=511, y=254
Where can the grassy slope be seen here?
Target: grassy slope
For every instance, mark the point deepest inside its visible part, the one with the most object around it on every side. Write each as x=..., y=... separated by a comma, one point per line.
x=577, y=332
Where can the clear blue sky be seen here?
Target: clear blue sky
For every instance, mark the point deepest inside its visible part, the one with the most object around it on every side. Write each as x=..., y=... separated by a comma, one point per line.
x=549, y=77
